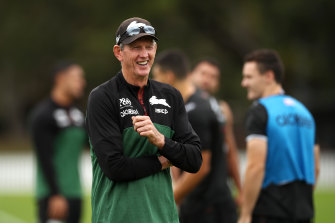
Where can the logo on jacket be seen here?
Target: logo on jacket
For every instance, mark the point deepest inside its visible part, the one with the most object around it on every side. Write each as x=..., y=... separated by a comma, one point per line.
x=129, y=112
x=125, y=102
x=161, y=110
x=68, y=118
x=155, y=101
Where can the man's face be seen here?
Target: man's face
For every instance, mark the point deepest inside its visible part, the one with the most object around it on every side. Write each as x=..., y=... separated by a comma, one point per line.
x=73, y=82
x=138, y=57
x=206, y=76
x=253, y=81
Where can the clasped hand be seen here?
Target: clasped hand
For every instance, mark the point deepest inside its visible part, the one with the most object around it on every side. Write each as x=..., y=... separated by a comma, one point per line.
x=144, y=126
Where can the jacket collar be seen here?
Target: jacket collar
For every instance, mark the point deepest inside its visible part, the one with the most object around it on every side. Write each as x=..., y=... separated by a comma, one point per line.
x=133, y=89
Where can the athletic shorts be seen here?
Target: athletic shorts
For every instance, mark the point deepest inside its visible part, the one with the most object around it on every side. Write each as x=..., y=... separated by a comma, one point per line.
x=215, y=213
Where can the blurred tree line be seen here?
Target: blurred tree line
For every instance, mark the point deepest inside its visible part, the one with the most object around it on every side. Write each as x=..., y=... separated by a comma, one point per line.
x=36, y=34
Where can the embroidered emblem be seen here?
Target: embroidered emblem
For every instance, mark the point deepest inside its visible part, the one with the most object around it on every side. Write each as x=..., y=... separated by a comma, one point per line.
x=125, y=102
x=162, y=111
x=155, y=101
x=129, y=112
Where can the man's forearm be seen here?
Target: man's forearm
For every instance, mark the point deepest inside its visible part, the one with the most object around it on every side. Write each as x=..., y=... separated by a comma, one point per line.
x=233, y=167
x=184, y=156
x=188, y=181
x=44, y=153
x=235, y=174
x=185, y=184
x=117, y=167
x=251, y=188
x=254, y=175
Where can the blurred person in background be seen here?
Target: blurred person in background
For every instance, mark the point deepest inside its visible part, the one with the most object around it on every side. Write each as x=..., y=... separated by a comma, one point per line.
x=59, y=137
x=206, y=76
x=138, y=128
x=282, y=158
x=204, y=196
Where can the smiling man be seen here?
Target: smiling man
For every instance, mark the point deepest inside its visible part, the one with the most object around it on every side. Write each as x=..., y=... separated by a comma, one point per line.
x=138, y=128
x=282, y=158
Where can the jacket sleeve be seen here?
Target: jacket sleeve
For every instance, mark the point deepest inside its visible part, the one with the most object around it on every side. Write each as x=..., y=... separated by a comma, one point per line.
x=43, y=136
x=106, y=139
x=183, y=150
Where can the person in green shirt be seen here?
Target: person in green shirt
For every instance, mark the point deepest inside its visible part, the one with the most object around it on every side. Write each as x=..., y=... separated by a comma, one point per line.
x=59, y=137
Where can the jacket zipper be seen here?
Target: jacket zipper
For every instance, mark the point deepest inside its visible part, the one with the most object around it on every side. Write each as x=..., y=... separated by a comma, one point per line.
x=140, y=98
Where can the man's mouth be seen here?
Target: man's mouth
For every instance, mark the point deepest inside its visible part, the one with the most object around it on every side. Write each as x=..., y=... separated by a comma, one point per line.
x=142, y=63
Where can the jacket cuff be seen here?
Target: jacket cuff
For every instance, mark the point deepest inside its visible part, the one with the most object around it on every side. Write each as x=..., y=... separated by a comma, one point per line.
x=168, y=148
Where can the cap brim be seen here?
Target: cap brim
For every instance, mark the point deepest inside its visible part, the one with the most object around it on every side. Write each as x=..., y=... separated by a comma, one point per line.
x=140, y=35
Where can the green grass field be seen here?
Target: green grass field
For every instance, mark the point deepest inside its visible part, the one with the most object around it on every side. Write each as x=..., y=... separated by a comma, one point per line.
x=21, y=208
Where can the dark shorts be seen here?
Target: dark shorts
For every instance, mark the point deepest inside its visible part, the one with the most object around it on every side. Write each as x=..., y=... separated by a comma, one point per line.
x=73, y=214
x=215, y=213
x=263, y=219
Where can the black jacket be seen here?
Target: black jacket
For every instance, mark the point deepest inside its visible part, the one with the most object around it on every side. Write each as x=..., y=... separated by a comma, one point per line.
x=108, y=121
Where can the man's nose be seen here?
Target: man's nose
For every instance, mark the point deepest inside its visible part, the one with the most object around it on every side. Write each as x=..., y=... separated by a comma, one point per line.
x=144, y=52
x=243, y=83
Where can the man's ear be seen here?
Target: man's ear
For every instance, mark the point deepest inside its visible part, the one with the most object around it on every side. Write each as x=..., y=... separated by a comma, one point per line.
x=270, y=76
x=117, y=52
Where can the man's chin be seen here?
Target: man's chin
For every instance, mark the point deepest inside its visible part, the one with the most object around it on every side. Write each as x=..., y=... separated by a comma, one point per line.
x=251, y=97
x=143, y=73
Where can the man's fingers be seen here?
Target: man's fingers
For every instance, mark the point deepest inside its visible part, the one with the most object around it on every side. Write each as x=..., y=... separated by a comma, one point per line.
x=139, y=123
x=146, y=133
x=139, y=118
x=143, y=129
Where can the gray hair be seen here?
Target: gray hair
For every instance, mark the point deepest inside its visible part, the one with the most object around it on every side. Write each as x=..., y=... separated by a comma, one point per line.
x=122, y=45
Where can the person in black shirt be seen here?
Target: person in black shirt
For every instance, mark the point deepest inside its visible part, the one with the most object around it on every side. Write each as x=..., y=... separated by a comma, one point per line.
x=204, y=196
x=58, y=136
x=206, y=75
